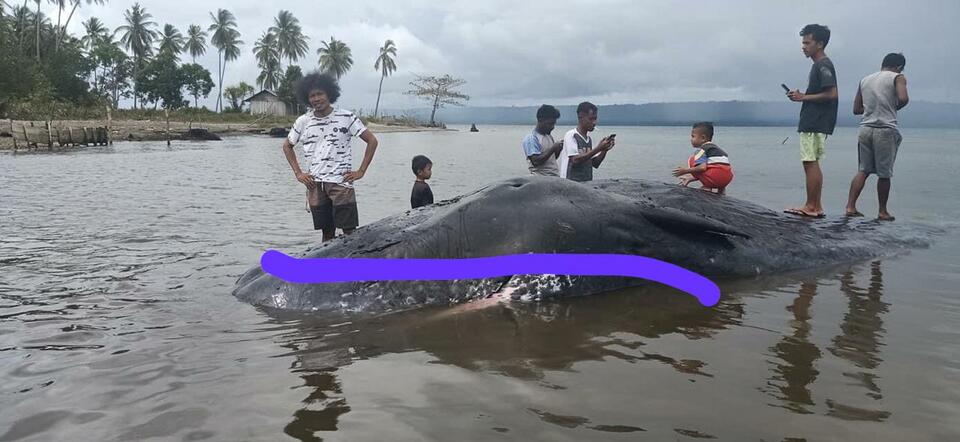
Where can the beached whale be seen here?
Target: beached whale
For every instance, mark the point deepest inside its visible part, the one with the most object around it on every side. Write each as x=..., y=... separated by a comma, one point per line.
x=714, y=235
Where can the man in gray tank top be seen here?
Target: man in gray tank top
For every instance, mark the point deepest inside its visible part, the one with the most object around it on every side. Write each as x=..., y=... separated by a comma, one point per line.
x=879, y=97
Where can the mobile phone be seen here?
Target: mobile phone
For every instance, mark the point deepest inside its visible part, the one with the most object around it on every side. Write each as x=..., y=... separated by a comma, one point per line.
x=611, y=136
x=784, y=87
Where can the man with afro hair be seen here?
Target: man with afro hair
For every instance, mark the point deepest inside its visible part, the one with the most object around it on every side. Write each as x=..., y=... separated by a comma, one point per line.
x=325, y=134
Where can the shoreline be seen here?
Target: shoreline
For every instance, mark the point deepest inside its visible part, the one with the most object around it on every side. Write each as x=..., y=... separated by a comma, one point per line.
x=155, y=130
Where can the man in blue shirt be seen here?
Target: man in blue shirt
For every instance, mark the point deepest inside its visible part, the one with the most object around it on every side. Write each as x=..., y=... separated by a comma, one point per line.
x=539, y=147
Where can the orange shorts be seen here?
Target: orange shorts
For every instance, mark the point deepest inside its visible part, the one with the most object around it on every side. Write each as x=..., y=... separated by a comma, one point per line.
x=717, y=176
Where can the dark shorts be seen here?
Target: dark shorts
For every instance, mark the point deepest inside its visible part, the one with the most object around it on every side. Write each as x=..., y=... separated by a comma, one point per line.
x=332, y=206
x=877, y=150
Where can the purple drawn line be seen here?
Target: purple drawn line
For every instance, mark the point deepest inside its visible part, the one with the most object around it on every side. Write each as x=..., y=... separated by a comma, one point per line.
x=327, y=270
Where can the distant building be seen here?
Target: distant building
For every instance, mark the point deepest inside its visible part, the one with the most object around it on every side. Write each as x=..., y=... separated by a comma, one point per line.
x=266, y=102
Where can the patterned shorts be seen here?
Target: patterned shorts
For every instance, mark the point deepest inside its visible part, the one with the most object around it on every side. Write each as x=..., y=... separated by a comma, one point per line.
x=812, y=146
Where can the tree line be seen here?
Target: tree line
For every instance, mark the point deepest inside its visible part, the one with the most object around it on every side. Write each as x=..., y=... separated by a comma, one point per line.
x=40, y=62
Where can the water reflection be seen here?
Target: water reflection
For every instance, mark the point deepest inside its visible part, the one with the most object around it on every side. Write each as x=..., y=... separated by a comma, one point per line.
x=528, y=342
x=522, y=341
x=795, y=355
x=859, y=342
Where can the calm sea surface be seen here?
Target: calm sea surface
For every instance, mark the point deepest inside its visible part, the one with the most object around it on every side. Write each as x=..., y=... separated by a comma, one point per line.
x=117, y=323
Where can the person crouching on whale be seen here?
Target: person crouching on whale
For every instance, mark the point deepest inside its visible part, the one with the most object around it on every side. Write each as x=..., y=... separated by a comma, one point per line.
x=709, y=165
x=325, y=133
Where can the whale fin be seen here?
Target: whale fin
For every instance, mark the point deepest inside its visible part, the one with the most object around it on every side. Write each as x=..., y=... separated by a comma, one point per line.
x=675, y=219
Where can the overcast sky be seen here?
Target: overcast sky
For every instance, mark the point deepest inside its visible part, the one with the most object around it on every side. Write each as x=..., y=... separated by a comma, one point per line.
x=608, y=51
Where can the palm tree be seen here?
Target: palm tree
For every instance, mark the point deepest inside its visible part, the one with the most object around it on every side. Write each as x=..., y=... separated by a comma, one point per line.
x=267, y=51
x=21, y=18
x=226, y=39
x=76, y=4
x=138, y=36
x=37, y=26
x=270, y=75
x=171, y=40
x=93, y=32
x=386, y=65
x=335, y=57
x=291, y=42
x=196, y=42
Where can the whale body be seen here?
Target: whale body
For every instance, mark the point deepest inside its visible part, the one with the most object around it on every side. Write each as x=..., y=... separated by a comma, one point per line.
x=717, y=236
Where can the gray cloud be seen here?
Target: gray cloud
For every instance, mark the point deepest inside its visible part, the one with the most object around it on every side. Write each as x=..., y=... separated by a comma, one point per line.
x=608, y=51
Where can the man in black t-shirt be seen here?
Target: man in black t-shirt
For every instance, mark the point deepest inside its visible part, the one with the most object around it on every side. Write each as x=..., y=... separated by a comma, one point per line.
x=818, y=115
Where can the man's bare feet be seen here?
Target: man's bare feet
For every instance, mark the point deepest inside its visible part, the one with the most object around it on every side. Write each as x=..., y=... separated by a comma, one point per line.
x=852, y=212
x=885, y=216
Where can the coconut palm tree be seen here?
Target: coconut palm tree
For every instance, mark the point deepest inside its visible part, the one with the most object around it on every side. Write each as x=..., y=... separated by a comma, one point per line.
x=270, y=75
x=93, y=32
x=37, y=26
x=266, y=48
x=335, y=57
x=196, y=42
x=226, y=39
x=171, y=40
x=386, y=65
x=291, y=42
x=22, y=17
x=76, y=4
x=137, y=36
x=267, y=52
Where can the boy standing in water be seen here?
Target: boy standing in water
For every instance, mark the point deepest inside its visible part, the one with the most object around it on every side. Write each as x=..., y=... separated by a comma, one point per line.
x=709, y=165
x=421, y=194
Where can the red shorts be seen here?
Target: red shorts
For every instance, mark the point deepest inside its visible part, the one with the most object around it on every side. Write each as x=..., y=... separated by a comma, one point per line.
x=717, y=176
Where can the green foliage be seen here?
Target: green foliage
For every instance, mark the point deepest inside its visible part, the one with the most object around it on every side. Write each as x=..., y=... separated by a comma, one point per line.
x=236, y=94
x=197, y=81
x=335, y=57
x=287, y=91
x=162, y=81
x=57, y=79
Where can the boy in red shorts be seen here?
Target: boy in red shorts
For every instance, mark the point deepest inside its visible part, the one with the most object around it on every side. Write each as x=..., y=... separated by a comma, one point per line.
x=709, y=164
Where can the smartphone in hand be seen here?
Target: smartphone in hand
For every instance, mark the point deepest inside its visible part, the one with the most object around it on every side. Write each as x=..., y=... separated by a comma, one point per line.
x=785, y=88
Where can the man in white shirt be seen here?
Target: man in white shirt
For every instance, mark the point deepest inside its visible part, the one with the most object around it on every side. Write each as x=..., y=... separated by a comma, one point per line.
x=580, y=157
x=326, y=134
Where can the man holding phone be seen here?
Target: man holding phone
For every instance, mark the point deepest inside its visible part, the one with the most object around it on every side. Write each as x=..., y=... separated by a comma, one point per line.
x=818, y=115
x=580, y=157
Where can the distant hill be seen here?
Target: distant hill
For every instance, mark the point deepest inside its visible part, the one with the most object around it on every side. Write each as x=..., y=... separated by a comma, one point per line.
x=724, y=113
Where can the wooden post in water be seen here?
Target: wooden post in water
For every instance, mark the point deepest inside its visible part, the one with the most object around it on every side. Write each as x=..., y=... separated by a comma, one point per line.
x=109, y=119
x=167, y=113
x=49, y=136
x=15, y=147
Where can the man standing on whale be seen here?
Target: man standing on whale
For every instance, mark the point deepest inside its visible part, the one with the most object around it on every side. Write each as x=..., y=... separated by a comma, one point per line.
x=818, y=115
x=326, y=133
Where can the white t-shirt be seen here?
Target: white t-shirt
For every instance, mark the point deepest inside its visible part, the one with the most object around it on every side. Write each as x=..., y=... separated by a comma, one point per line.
x=326, y=143
x=570, y=148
